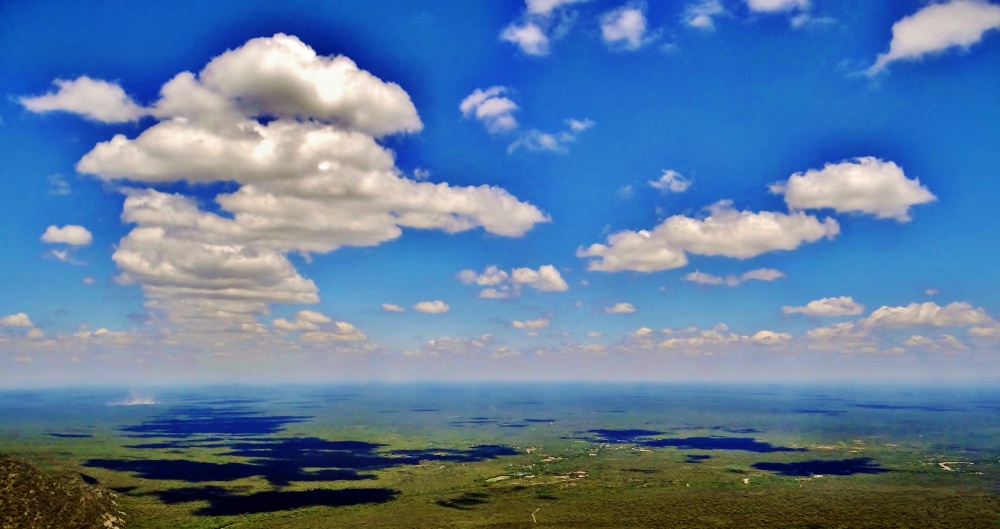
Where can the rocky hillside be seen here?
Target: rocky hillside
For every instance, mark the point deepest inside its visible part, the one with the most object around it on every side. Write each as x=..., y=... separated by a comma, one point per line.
x=31, y=498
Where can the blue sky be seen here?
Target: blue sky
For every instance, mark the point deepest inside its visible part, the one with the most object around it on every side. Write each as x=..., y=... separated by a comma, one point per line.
x=708, y=190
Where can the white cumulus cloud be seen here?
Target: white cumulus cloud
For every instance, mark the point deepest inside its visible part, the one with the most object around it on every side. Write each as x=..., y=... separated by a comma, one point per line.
x=701, y=14
x=296, y=132
x=958, y=314
x=545, y=279
x=625, y=27
x=840, y=306
x=540, y=323
x=772, y=6
x=528, y=36
x=92, y=98
x=671, y=182
x=431, y=307
x=620, y=308
x=725, y=232
x=732, y=280
x=491, y=108
x=863, y=185
x=389, y=307
x=938, y=27
x=16, y=320
x=69, y=234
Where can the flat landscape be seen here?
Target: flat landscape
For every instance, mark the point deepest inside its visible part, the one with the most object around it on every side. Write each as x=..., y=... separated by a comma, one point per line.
x=523, y=455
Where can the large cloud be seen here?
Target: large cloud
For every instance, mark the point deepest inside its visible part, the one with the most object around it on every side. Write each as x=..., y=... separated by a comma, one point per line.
x=296, y=132
x=863, y=185
x=725, y=232
x=938, y=27
x=95, y=99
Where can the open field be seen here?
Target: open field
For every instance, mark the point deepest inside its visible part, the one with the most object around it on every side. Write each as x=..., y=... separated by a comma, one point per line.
x=573, y=456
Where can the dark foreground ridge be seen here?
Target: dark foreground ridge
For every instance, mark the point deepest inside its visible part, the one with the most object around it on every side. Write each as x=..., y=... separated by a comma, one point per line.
x=31, y=498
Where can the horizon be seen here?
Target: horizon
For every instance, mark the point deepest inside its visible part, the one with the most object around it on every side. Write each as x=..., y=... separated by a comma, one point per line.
x=606, y=191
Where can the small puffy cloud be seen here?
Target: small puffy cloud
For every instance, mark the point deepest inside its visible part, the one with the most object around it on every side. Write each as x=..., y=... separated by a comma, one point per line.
x=58, y=185
x=620, y=308
x=700, y=14
x=460, y=346
x=297, y=325
x=625, y=27
x=537, y=26
x=958, y=314
x=491, y=108
x=671, y=182
x=253, y=328
x=845, y=330
x=918, y=341
x=594, y=334
x=492, y=276
x=863, y=185
x=938, y=27
x=841, y=306
x=697, y=341
x=546, y=7
x=528, y=36
x=492, y=293
x=931, y=292
x=340, y=331
x=845, y=337
x=540, y=323
x=642, y=333
x=538, y=141
x=431, y=307
x=35, y=334
x=945, y=341
x=766, y=337
x=389, y=307
x=305, y=320
x=760, y=274
x=16, y=320
x=92, y=98
x=775, y=6
x=312, y=316
x=991, y=331
x=579, y=125
x=725, y=232
x=69, y=234
x=89, y=280
x=545, y=279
